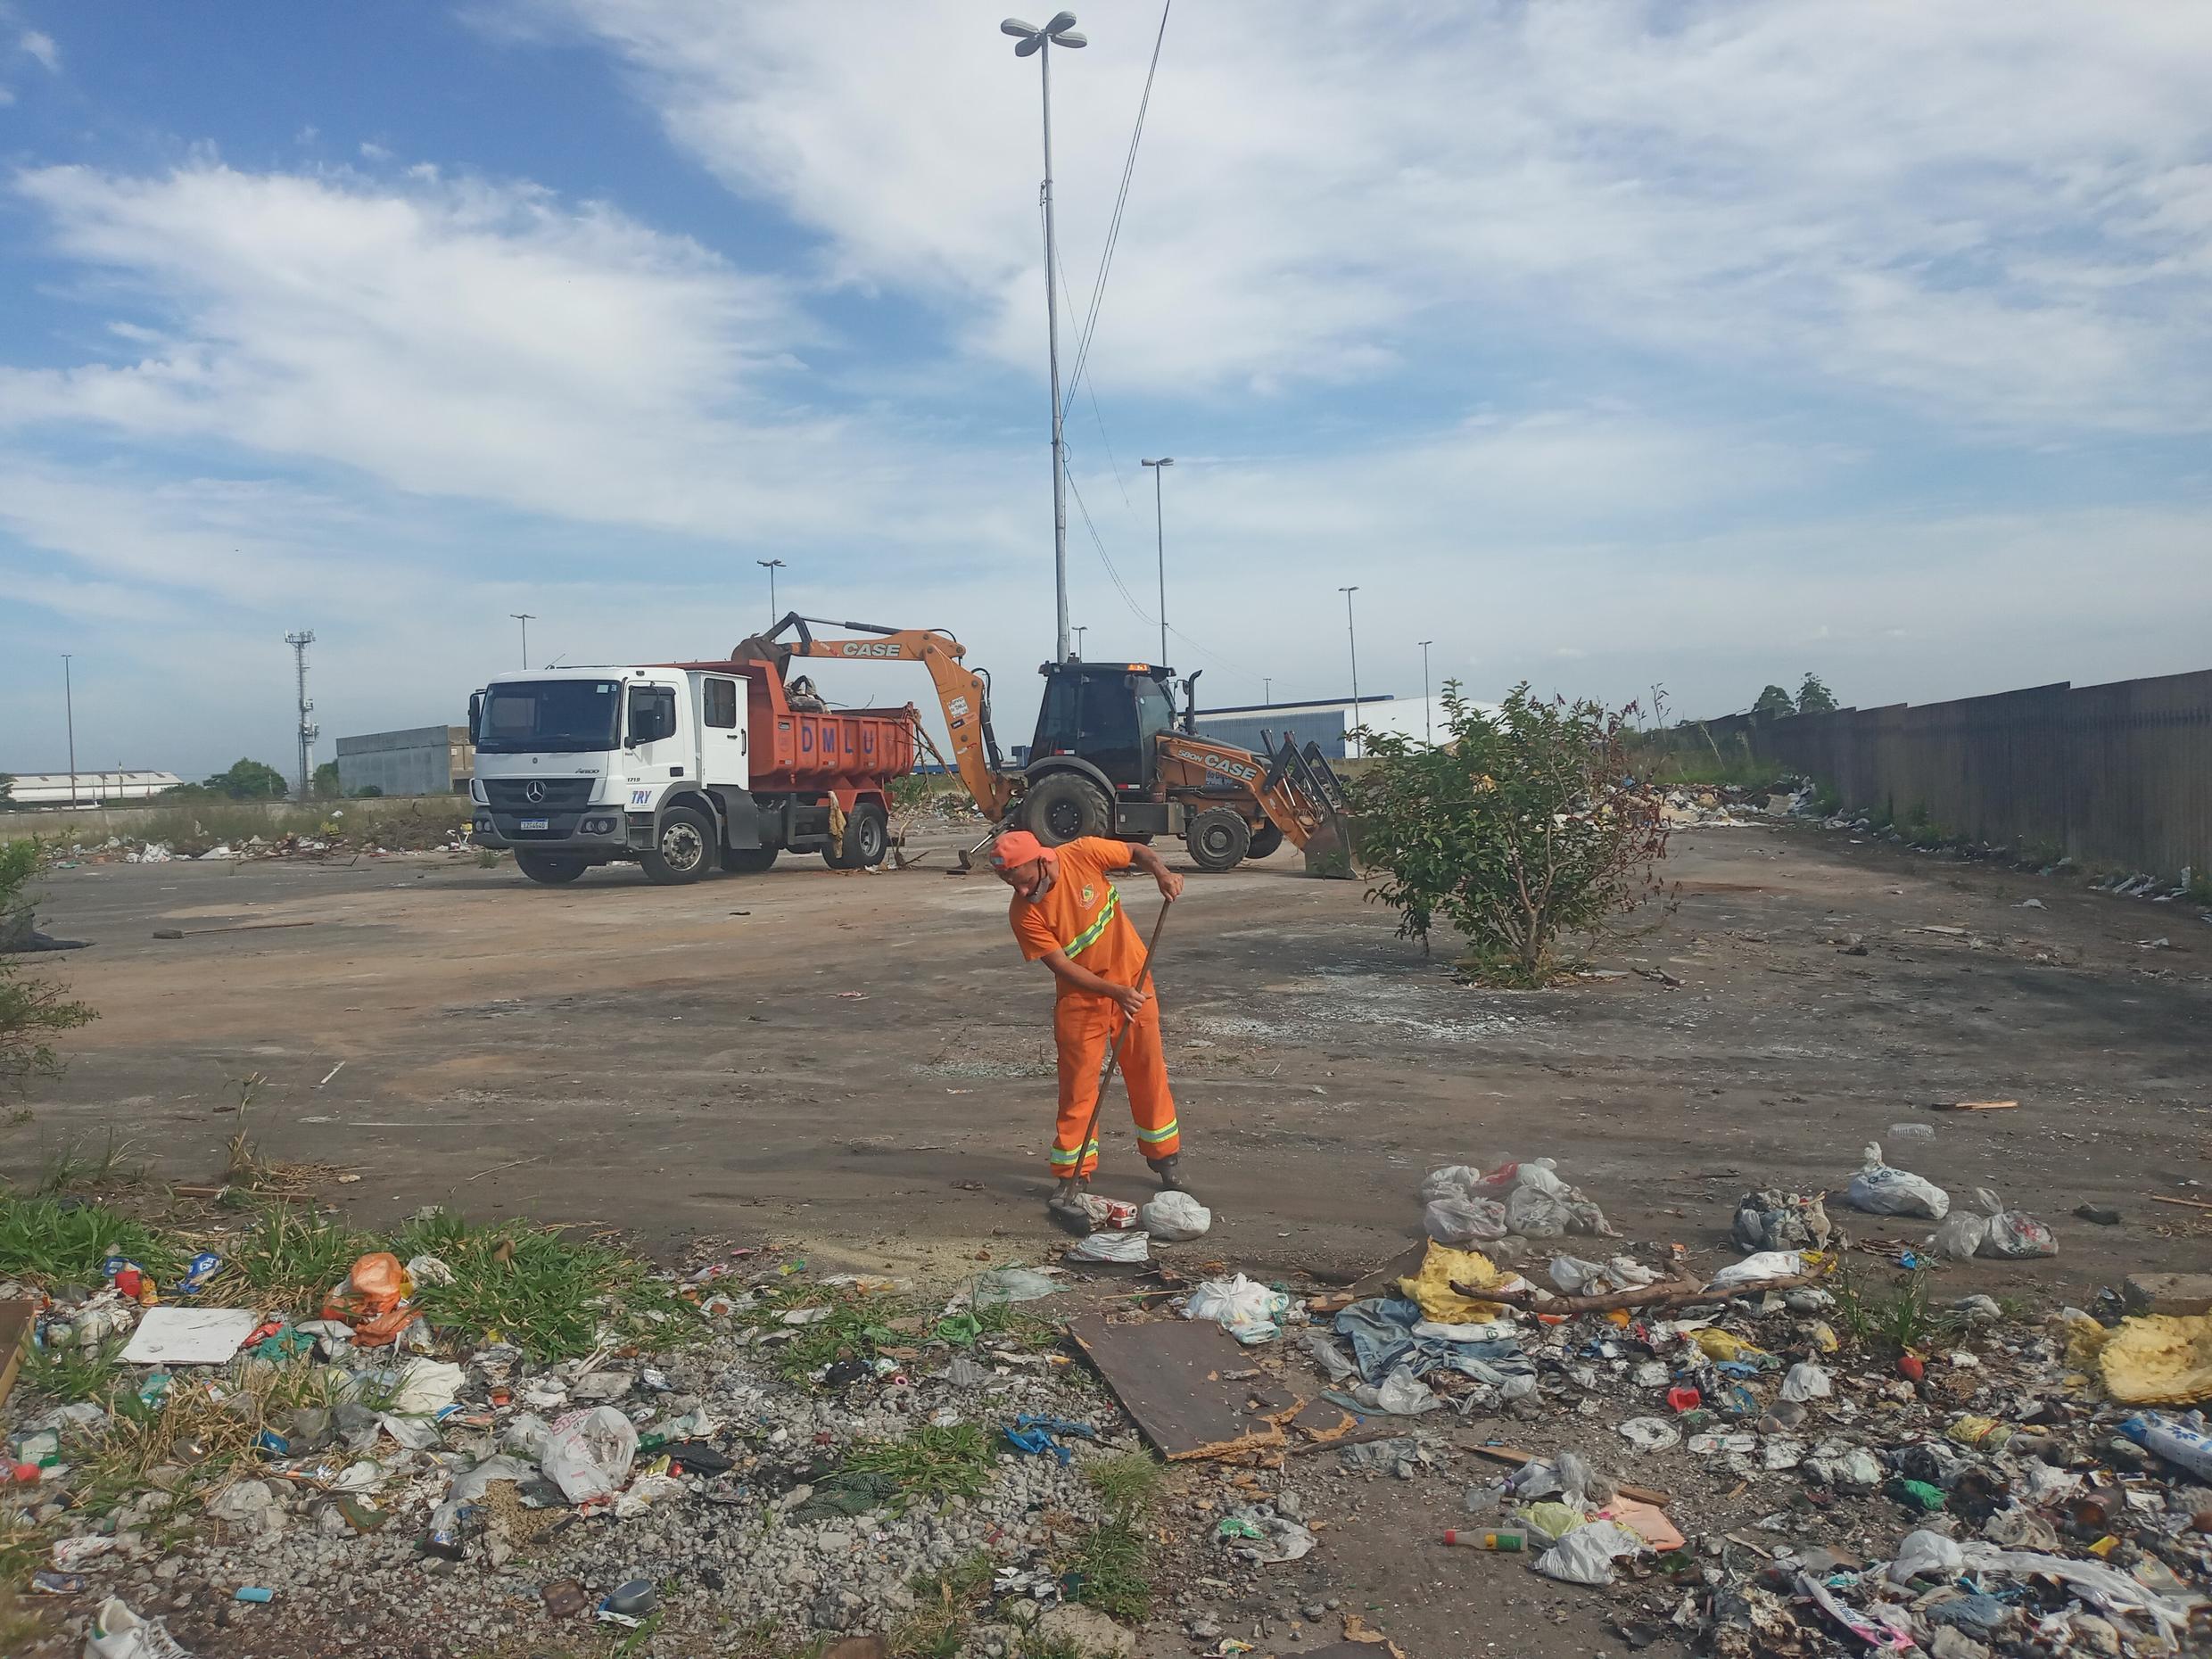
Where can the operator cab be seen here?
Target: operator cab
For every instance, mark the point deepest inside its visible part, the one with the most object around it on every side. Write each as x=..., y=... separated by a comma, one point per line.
x=1111, y=714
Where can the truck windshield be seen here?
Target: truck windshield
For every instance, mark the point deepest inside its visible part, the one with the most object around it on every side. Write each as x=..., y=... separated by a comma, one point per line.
x=559, y=715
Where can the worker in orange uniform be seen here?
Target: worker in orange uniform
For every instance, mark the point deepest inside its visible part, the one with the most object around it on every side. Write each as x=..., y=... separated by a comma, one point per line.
x=1068, y=915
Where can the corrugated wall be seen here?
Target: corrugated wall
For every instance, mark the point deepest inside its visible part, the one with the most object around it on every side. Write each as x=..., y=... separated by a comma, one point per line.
x=2115, y=775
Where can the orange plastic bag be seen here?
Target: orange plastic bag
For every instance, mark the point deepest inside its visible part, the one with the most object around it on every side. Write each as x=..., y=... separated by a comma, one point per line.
x=375, y=1300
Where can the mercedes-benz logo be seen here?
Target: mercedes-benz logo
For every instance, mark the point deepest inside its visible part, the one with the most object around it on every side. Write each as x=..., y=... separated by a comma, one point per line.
x=534, y=792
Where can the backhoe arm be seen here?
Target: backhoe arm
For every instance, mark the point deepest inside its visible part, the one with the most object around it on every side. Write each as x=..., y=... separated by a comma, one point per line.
x=963, y=693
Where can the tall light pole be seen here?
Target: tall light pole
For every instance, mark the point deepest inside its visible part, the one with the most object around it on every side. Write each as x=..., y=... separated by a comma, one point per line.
x=1267, y=690
x=525, y=618
x=1352, y=634
x=1428, y=719
x=1079, y=633
x=1160, y=533
x=1029, y=40
x=771, y=566
x=69, y=709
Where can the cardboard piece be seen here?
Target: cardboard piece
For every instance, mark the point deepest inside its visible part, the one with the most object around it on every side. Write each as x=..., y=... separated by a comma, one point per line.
x=1171, y=1376
x=189, y=1336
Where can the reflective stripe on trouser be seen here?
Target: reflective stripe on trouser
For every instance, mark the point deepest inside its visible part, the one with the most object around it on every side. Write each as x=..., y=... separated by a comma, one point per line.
x=1082, y=1029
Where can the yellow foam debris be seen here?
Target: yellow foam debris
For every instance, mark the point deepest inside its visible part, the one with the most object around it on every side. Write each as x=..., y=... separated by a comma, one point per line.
x=2159, y=1360
x=1432, y=1287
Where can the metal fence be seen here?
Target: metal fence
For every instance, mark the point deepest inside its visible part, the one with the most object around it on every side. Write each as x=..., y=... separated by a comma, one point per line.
x=2116, y=774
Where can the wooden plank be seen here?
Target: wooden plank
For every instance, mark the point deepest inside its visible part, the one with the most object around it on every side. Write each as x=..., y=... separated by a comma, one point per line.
x=16, y=1321
x=1169, y=1376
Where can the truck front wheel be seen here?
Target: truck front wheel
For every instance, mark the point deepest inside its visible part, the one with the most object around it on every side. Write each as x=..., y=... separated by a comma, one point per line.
x=1061, y=806
x=549, y=867
x=1218, y=839
x=748, y=860
x=682, y=849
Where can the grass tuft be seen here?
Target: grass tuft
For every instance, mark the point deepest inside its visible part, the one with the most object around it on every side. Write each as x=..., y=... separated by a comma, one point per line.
x=295, y=1256
x=546, y=1293
x=51, y=1241
x=66, y=1376
x=943, y=1604
x=930, y=1463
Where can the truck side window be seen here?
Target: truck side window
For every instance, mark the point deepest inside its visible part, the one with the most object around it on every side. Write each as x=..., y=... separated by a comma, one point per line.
x=719, y=697
x=652, y=713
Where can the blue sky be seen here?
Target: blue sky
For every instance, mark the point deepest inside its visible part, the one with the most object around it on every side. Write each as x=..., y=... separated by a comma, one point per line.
x=1605, y=345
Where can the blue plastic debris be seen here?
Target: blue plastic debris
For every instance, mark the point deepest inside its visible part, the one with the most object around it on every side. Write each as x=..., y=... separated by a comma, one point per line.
x=1034, y=1434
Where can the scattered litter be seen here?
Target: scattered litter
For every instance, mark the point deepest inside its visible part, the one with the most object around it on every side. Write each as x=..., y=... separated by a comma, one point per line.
x=1248, y=1311
x=1176, y=1218
x=1881, y=1190
x=1127, y=1246
x=189, y=1336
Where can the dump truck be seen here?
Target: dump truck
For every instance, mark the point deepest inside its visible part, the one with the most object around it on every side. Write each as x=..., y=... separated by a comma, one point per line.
x=1110, y=755
x=681, y=768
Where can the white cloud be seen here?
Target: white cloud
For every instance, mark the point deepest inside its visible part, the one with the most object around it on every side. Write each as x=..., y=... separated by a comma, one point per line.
x=1994, y=212
x=41, y=46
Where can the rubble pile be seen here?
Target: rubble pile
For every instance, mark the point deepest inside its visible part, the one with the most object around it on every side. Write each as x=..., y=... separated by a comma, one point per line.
x=385, y=838
x=1722, y=805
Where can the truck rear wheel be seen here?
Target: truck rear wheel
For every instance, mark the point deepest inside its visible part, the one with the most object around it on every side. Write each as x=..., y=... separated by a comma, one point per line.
x=682, y=849
x=549, y=867
x=867, y=840
x=1218, y=839
x=1062, y=806
x=1265, y=839
x=748, y=860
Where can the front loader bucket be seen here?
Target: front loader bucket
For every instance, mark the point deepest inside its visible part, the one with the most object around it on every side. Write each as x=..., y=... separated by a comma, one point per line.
x=1306, y=799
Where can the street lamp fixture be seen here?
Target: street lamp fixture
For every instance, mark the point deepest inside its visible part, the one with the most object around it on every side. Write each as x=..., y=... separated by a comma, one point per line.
x=525, y=618
x=1032, y=41
x=771, y=566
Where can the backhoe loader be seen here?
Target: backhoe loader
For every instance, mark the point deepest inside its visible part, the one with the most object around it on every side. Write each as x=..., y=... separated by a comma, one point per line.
x=1108, y=757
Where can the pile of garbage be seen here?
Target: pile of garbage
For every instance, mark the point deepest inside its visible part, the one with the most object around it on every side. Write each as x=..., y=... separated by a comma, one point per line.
x=713, y=1461
x=1722, y=805
x=1892, y=1476
x=390, y=834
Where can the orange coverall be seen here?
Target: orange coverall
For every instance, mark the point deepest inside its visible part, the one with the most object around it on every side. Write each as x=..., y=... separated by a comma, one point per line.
x=1080, y=914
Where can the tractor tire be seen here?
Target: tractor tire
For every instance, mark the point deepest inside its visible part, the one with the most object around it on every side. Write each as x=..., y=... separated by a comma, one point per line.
x=867, y=840
x=748, y=860
x=682, y=849
x=549, y=867
x=1218, y=839
x=1063, y=808
x=1265, y=840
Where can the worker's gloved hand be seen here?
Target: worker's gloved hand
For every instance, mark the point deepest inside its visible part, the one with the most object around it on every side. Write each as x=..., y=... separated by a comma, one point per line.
x=1130, y=999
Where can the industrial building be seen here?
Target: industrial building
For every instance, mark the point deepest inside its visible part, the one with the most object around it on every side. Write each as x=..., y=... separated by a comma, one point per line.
x=1327, y=723
x=90, y=789
x=422, y=760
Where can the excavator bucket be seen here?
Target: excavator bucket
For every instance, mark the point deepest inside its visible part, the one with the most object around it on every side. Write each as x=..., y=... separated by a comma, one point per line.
x=1305, y=799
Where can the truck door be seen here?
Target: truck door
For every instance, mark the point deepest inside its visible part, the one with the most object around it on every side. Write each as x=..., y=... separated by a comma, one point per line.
x=655, y=736
x=723, y=732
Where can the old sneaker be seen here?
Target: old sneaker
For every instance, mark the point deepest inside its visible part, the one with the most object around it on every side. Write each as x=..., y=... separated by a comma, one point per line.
x=118, y=1633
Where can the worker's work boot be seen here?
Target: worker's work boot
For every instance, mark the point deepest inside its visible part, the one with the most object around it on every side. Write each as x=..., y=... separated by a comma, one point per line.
x=1168, y=1170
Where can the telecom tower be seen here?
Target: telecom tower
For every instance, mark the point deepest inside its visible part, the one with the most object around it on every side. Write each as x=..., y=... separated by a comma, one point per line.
x=308, y=729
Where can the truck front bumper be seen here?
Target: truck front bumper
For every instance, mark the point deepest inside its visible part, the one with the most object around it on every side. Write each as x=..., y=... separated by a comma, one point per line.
x=594, y=832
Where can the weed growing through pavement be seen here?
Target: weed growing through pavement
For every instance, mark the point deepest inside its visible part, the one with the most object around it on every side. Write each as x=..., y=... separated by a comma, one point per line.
x=73, y=1170
x=943, y=1604
x=1110, y=1569
x=1906, y=1321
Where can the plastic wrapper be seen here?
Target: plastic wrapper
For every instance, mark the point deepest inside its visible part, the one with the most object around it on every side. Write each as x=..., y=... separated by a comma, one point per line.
x=374, y=1299
x=1925, y=1555
x=2013, y=1234
x=1774, y=1219
x=1586, y=1555
x=1176, y=1218
x=589, y=1456
x=1248, y=1311
x=2180, y=1440
x=1461, y=1222
x=1960, y=1238
x=1769, y=1264
x=1881, y=1190
x=1129, y=1244
x=1806, y=1381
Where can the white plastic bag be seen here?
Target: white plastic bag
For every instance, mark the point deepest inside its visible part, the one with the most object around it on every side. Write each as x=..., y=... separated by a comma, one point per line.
x=1461, y=1207
x=1768, y=1264
x=1250, y=1312
x=1960, y=1238
x=1176, y=1218
x=1925, y=1554
x=1806, y=1381
x=2014, y=1233
x=1586, y=1555
x=1129, y=1244
x=1881, y=1190
x=1536, y=1214
x=589, y=1456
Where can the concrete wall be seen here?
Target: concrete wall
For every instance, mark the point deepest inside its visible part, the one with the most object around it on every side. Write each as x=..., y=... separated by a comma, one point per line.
x=2114, y=775
x=423, y=760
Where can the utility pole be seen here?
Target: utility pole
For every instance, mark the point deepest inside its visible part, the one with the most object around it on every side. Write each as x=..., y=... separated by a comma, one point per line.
x=1428, y=718
x=1079, y=634
x=771, y=566
x=1029, y=40
x=1352, y=634
x=1267, y=690
x=525, y=618
x=69, y=709
x=309, y=731
x=1159, y=532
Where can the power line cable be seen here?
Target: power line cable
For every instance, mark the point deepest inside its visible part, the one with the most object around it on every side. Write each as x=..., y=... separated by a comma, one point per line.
x=1121, y=201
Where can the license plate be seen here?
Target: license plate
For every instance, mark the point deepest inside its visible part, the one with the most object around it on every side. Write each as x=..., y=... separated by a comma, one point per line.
x=537, y=823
